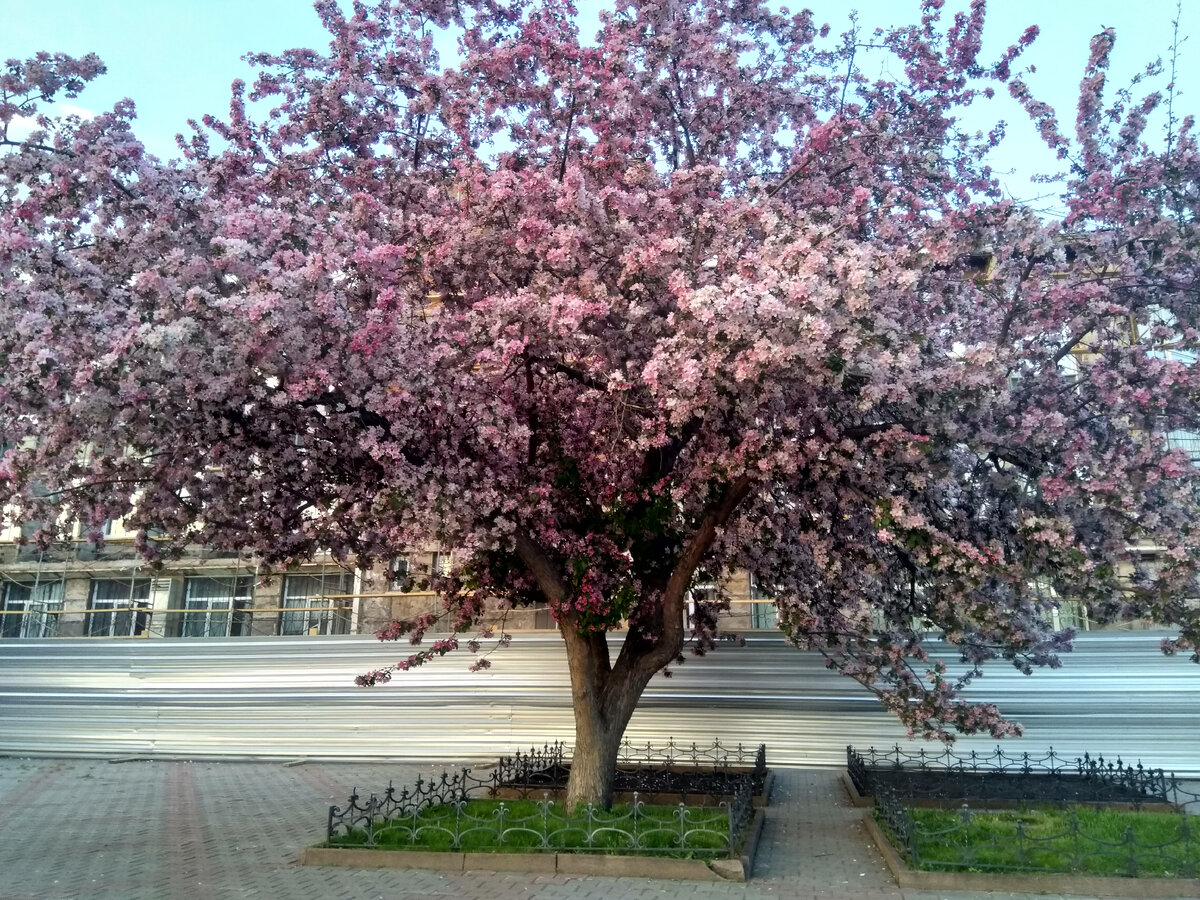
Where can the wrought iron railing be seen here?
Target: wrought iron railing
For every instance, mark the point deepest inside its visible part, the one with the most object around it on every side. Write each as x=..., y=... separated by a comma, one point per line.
x=1023, y=777
x=659, y=769
x=1068, y=840
x=438, y=812
x=714, y=756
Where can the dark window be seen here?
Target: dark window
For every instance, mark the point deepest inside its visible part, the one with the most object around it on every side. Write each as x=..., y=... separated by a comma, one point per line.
x=398, y=575
x=762, y=611
x=118, y=607
x=439, y=563
x=216, y=606
x=315, y=604
x=30, y=609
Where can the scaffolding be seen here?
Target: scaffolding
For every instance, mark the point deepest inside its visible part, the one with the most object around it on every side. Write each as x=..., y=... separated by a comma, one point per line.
x=81, y=590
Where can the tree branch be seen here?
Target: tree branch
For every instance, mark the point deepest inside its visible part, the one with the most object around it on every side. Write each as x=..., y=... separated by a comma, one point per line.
x=635, y=658
x=1011, y=315
x=534, y=422
x=660, y=461
x=562, y=166
x=574, y=373
x=544, y=571
x=1071, y=344
x=858, y=432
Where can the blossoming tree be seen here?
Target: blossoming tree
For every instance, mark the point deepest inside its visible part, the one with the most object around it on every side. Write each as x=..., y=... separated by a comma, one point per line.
x=693, y=295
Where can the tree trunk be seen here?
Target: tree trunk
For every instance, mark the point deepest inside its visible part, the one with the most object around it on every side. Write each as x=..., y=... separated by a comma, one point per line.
x=593, y=764
x=603, y=702
x=604, y=696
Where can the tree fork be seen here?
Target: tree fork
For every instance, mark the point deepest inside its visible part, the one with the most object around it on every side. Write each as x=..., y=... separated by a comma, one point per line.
x=604, y=696
x=603, y=699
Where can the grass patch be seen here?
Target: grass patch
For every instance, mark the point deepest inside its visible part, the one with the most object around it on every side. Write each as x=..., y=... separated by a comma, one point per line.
x=528, y=826
x=1071, y=840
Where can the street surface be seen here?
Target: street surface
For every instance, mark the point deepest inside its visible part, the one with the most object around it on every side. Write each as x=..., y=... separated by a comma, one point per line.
x=289, y=698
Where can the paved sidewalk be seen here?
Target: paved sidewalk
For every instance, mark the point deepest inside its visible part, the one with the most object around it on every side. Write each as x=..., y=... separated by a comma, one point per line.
x=97, y=830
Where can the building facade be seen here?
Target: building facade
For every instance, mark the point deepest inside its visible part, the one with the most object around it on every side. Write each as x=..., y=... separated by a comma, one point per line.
x=81, y=590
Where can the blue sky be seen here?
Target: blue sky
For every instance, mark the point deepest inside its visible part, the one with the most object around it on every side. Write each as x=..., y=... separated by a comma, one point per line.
x=176, y=58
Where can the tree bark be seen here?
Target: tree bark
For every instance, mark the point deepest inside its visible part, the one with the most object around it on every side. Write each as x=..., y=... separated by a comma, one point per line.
x=594, y=761
x=603, y=702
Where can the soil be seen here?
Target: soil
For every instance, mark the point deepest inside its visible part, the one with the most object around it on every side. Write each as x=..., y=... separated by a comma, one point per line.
x=1044, y=787
x=650, y=781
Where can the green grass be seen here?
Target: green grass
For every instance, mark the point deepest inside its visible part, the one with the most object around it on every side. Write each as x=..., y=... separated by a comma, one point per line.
x=1105, y=842
x=531, y=827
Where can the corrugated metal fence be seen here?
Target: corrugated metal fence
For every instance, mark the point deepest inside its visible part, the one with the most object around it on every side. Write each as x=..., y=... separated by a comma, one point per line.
x=295, y=698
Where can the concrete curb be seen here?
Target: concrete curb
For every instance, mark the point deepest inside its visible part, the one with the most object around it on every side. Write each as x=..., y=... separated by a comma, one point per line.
x=862, y=801
x=534, y=863
x=1086, y=885
x=750, y=850
x=636, y=866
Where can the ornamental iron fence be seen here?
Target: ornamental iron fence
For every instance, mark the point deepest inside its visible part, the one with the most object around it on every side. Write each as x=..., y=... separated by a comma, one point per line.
x=1068, y=840
x=439, y=813
x=660, y=769
x=945, y=775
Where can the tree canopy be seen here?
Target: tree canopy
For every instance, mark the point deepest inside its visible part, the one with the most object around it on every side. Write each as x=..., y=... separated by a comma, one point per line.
x=693, y=294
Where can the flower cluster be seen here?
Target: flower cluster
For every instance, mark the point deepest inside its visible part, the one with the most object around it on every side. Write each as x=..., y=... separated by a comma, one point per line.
x=370, y=679
x=601, y=595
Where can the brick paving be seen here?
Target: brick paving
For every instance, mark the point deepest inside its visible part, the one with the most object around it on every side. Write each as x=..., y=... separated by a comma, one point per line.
x=96, y=830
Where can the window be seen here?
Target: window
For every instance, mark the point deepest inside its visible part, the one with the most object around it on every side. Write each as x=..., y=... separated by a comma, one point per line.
x=762, y=609
x=216, y=607
x=756, y=589
x=440, y=563
x=28, y=549
x=398, y=577
x=763, y=615
x=88, y=551
x=310, y=604
x=28, y=610
x=1185, y=440
x=118, y=607
x=703, y=590
x=106, y=529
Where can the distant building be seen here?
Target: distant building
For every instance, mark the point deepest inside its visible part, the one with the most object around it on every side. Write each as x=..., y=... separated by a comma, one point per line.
x=78, y=589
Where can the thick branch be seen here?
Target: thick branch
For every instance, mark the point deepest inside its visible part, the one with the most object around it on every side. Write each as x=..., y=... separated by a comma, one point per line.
x=638, y=658
x=1071, y=345
x=660, y=461
x=562, y=166
x=534, y=422
x=575, y=374
x=858, y=432
x=1016, y=306
x=543, y=569
x=588, y=381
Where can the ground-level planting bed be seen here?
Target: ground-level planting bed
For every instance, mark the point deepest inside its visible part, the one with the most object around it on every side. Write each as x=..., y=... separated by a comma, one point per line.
x=654, y=785
x=1068, y=840
x=509, y=816
x=1036, y=823
x=524, y=826
x=658, y=774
